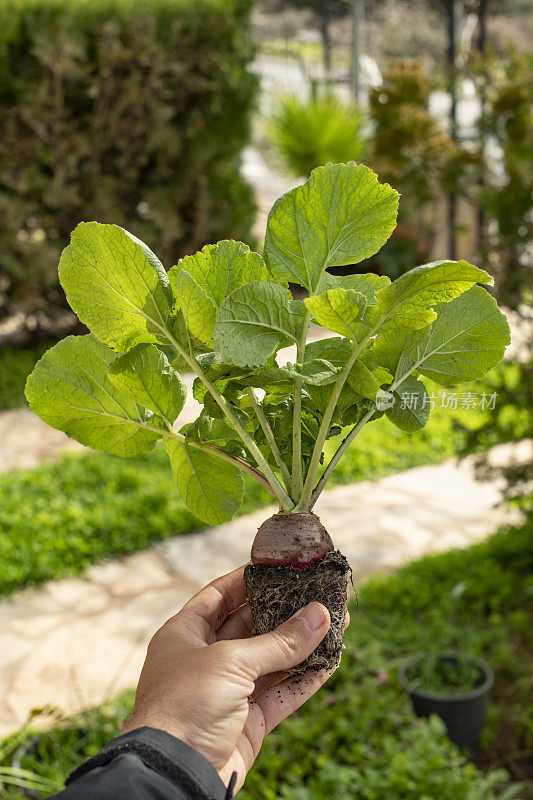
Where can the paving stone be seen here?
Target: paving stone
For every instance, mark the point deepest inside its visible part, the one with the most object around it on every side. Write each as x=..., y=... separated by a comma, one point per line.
x=85, y=660
x=14, y=648
x=138, y=573
x=205, y=555
x=82, y=595
x=31, y=628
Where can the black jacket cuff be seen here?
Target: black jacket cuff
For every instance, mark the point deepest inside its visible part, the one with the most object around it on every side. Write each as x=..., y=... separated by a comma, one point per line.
x=169, y=756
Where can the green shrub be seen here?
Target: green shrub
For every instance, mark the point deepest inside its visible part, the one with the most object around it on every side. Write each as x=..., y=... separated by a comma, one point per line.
x=357, y=738
x=15, y=366
x=305, y=133
x=131, y=111
x=510, y=421
x=506, y=195
x=413, y=152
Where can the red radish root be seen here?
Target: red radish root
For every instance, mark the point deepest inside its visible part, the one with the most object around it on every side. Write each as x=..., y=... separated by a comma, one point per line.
x=291, y=540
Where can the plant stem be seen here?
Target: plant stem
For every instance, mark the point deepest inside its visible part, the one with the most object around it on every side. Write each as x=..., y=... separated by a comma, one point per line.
x=267, y=430
x=296, y=476
x=305, y=497
x=240, y=463
x=285, y=501
x=346, y=442
x=312, y=472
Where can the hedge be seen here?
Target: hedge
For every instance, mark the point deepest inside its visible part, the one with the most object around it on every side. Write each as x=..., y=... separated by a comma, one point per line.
x=124, y=111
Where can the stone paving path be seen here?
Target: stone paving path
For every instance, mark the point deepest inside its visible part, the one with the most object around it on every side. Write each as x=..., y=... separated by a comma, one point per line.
x=75, y=642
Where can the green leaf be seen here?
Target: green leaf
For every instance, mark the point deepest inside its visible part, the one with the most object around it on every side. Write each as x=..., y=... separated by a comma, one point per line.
x=116, y=286
x=267, y=378
x=316, y=372
x=219, y=372
x=367, y=283
x=339, y=310
x=192, y=346
x=145, y=376
x=198, y=310
x=407, y=301
x=253, y=322
x=310, y=428
x=221, y=268
x=211, y=431
x=70, y=390
x=466, y=341
x=395, y=349
x=274, y=395
x=341, y=215
x=211, y=488
x=361, y=380
x=411, y=408
x=319, y=397
x=335, y=350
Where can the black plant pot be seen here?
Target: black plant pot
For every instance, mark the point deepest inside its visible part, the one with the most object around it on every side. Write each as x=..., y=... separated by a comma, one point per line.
x=463, y=714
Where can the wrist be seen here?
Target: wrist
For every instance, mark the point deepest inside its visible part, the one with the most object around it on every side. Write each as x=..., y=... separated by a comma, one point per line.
x=163, y=722
x=159, y=721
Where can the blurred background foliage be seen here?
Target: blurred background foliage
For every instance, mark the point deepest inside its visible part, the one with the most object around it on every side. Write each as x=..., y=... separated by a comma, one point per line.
x=138, y=113
x=507, y=198
x=122, y=111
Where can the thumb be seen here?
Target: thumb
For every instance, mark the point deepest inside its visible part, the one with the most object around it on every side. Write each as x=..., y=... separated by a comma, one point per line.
x=288, y=644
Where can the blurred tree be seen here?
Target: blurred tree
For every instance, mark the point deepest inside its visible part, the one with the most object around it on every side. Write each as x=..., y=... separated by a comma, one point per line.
x=323, y=11
x=506, y=193
x=412, y=150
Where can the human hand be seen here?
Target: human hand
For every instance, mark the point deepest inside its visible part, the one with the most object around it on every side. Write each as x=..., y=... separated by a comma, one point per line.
x=208, y=682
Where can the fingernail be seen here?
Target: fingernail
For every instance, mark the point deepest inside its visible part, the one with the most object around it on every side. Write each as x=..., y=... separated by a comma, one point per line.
x=313, y=615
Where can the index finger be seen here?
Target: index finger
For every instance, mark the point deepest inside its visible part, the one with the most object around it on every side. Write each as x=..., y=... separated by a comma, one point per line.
x=218, y=599
x=280, y=700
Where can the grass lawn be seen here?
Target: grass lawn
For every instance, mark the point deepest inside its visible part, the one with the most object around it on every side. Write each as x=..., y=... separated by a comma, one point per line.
x=357, y=739
x=61, y=517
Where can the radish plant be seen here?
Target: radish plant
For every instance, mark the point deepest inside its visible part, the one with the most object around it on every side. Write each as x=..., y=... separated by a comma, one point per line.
x=223, y=314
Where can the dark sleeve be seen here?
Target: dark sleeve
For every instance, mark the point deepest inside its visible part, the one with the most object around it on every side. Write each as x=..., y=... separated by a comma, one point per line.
x=146, y=764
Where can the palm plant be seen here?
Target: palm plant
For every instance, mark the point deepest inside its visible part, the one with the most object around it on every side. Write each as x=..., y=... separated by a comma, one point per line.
x=308, y=132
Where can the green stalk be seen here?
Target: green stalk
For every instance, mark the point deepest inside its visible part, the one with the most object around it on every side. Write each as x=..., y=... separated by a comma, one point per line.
x=279, y=490
x=240, y=463
x=346, y=442
x=271, y=439
x=305, y=497
x=313, y=496
x=297, y=475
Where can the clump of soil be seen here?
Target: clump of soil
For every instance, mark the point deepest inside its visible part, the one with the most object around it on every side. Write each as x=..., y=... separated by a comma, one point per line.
x=276, y=593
